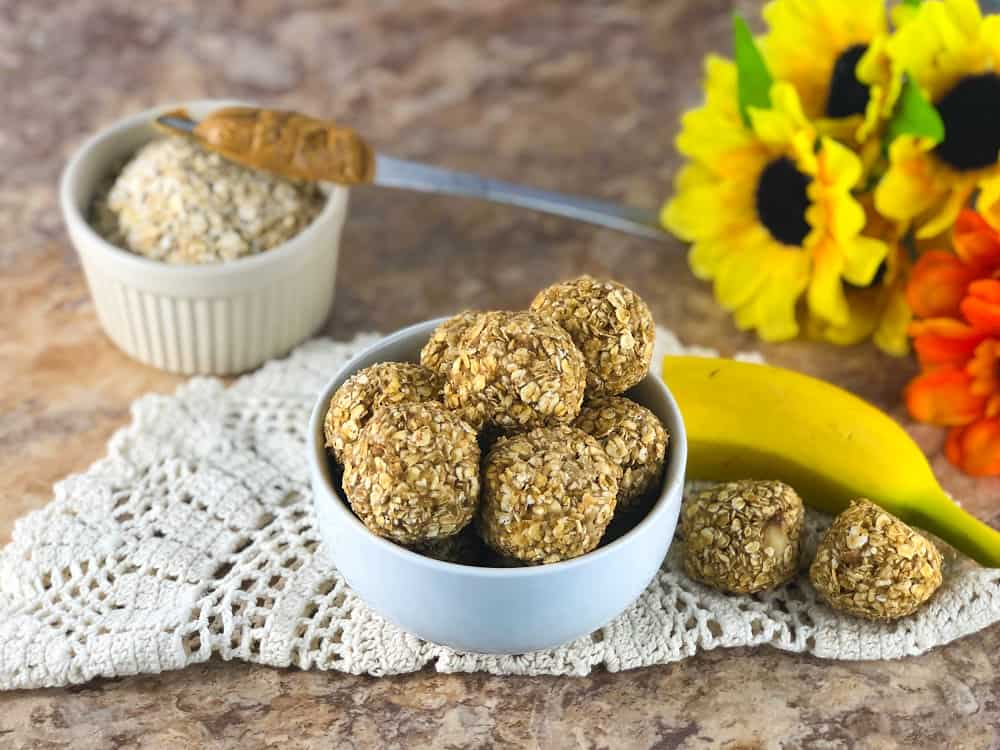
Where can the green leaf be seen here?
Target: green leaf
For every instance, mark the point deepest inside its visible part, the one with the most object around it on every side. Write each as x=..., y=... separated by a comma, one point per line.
x=753, y=78
x=914, y=115
x=912, y=3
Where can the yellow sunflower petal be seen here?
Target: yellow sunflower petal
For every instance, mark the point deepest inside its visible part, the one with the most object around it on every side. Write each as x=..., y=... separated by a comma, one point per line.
x=693, y=210
x=826, y=292
x=957, y=198
x=862, y=258
x=988, y=201
x=742, y=271
x=772, y=310
x=890, y=336
x=783, y=122
x=863, y=319
x=911, y=185
x=711, y=132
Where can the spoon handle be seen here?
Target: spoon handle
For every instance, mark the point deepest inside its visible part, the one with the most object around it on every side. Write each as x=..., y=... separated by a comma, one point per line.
x=410, y=175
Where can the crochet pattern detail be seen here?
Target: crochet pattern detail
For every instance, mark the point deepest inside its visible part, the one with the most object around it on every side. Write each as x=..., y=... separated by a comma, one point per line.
x=196, y=536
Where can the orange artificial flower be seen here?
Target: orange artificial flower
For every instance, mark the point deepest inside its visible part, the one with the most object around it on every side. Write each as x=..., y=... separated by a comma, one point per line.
x=937, y=284
x=956, y=300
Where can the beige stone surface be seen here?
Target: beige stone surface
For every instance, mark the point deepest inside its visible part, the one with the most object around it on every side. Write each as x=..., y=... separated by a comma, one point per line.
x=580, y=96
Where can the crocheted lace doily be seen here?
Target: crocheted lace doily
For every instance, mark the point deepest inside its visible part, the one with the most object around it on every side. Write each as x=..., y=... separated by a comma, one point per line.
x=196, y=536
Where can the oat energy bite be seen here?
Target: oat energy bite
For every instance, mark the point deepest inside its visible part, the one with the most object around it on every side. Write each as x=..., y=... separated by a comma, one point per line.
x=743, y=536
x=178, y=203
x=441, y=349
x=611, y=326
x=516, y=370
x=632, y=437
x=548, y=495
x=413, y=475
x=353, y=404
x=872, y=565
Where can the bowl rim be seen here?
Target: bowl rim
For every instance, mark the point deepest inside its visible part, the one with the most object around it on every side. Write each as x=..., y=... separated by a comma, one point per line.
x=673, y=475
x=76, y=218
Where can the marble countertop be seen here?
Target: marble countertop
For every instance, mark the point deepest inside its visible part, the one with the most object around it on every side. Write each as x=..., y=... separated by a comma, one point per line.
x=581, y=97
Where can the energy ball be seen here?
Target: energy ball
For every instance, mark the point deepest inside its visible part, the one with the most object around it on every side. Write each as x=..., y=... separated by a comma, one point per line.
x=441, y=349
x=361, y=394
x=633, y=438
x=548, y=495
x=872, y=565
x=413, y=474
x=516, y=371
x=743, y=536
x=610, y=324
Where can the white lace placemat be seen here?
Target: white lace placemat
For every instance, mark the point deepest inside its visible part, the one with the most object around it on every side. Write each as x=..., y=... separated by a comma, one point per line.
x=196, y=536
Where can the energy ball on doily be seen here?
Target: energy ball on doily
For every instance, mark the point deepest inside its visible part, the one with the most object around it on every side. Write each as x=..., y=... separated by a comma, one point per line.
x=353, y=404
x=610, y=324
x=633, y=438
x=548, y=494
x=413, y=474
x=872, y=565
x=743, y=536
x=441, y=349
x=517, y=371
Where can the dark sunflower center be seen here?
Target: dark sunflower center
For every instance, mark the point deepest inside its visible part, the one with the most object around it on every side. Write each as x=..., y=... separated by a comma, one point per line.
x=782, y=201
x=971, y=115
x=848, y=96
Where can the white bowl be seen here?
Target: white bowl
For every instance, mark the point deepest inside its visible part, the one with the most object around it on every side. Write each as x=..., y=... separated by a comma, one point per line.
x=493, y=610
x=219, y=318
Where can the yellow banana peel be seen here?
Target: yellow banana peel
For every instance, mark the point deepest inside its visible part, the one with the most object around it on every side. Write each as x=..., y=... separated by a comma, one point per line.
x=750, y=421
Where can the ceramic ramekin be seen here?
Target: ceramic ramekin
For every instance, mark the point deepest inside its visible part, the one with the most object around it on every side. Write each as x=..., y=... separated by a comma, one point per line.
x=493, y=610
x=215, y=319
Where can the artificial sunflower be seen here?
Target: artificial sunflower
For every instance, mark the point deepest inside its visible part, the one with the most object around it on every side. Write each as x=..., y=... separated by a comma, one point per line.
x=769, y=210
x=834, y=53
x=953, y=54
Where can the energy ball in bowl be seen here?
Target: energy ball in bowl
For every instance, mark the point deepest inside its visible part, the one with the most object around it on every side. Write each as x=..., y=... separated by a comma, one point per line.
x=441, y=349
x=872, y=565
x=743, y=536
x=633, y=438
x=548, y=495
x=517, y=371
x=413, y=474
x=610, y=324
x=357, y=399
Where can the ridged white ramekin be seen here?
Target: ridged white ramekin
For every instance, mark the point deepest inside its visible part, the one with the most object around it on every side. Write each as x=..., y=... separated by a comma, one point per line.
x=217, y=319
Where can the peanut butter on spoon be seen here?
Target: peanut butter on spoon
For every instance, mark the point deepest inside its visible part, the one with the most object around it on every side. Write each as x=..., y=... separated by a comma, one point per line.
x=286, y=143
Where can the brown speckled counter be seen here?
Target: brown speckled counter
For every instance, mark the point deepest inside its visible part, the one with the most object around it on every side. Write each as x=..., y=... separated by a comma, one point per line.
x=579, y=96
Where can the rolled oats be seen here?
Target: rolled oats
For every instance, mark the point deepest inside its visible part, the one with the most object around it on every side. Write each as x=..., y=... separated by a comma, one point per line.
x=611, y=326
x=516, y=370
x=872, y=565
x=743, y=536
x=548, y=494
x=178, y=203
x=413, y=474
x=353, y=404
x=633, y=438
x=441, y=350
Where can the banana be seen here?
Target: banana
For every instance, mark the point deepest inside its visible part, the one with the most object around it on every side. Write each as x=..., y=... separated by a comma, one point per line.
x=755, y=421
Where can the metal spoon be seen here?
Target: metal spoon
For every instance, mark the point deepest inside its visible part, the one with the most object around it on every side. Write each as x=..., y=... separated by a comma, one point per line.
x=411, y=175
